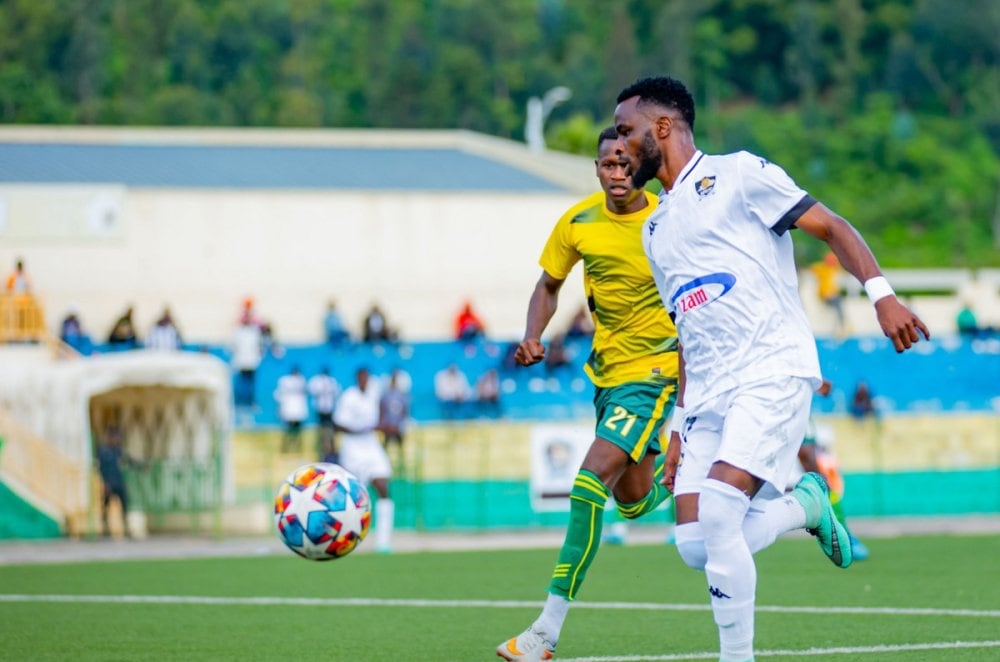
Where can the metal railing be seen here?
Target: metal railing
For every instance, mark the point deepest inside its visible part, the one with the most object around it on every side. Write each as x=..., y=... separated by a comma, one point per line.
x=21, y=319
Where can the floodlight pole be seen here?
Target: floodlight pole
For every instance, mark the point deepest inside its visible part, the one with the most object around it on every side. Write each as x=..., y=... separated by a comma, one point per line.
x=538, y=112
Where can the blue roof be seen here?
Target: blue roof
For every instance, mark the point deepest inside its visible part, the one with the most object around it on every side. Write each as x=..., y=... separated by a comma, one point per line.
x=225, y=166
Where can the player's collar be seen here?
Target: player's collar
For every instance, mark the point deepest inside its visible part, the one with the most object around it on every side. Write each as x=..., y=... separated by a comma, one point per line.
x=685, y=171
x=688, y=167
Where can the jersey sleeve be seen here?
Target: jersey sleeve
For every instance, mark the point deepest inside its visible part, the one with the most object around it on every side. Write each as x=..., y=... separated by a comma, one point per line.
x=559, y=254
x=771, y=196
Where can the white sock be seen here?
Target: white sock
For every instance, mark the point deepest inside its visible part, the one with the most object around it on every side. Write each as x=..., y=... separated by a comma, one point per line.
x=550, y=622
x=764, y=524
x=731, y=573
x=761, y=527
x=385, y=511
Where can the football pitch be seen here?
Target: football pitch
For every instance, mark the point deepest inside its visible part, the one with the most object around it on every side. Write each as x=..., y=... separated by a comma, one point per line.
x=916, y=598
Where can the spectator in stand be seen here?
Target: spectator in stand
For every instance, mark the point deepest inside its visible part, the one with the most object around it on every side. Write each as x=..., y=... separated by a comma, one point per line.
x=403, y=379
x=247, y=352
x=25, y=316
x=333, y=326
x=271, y=346
x=557, y=357
x=488, y=393
x=468, y=325
x=452, y=390
x=376, y=328
x=968, y=324
x=164, y=335
x=71, y=332
x=324, y=390
x=828, y=273
x=581, y=326
x=123, y=334
x=293, y=408
x=18, y=282
x=862, y=402
x=248, y=314
x=394, y=412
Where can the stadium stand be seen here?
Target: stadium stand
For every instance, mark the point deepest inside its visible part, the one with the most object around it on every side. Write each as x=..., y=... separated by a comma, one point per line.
x=945, y=374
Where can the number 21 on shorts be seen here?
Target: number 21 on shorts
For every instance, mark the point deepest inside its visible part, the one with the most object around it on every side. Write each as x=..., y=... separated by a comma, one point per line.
x=621, y=421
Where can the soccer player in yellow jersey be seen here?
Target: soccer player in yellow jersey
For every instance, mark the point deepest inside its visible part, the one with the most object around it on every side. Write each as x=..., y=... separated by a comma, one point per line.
x=633, y=366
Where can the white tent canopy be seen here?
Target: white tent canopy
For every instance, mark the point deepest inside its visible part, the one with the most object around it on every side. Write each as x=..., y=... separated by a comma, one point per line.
x=171, y=405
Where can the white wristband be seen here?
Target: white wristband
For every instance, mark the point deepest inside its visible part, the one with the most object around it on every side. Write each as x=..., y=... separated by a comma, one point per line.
x=676, y=420
x=878, y=288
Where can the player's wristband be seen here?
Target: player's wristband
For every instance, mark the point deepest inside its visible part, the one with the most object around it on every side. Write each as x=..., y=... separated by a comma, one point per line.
x=878, y=288
x=676, y=420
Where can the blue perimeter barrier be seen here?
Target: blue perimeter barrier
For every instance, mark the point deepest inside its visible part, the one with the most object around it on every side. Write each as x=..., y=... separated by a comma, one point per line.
x=949, y=374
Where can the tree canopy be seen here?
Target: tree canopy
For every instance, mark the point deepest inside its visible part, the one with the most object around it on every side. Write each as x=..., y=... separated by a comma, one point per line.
x=888, y=110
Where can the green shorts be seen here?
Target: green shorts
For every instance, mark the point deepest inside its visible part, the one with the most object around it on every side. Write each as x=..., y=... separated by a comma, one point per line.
x=630, y=415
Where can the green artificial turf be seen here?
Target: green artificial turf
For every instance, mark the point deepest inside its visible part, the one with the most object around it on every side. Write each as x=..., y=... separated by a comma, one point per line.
x=456, y=606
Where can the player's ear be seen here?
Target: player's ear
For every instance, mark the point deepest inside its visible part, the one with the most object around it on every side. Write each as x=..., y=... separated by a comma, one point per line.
x=664, y=123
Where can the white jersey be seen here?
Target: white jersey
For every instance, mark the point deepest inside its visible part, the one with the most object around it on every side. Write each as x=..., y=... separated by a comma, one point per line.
x=324, y=390
x=723, y=263
x=361, y=450
x=293, y=405
x=358, y=412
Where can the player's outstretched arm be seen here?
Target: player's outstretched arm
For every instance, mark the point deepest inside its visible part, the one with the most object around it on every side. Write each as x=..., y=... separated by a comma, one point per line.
x=898, y=322
x=541, y=308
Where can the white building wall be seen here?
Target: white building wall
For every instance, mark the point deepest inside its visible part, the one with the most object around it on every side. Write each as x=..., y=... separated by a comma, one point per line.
x=419, y=255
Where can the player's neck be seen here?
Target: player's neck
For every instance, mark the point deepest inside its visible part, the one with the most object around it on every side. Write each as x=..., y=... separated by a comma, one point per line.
x=675, y=159
x=632, y=207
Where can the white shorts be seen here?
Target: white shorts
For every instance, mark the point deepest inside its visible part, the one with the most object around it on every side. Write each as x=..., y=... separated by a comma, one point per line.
x=757, y=428
x=364, y=456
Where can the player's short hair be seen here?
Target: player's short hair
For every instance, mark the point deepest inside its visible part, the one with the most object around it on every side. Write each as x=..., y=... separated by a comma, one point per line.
x=607, y=133
x=663, y=91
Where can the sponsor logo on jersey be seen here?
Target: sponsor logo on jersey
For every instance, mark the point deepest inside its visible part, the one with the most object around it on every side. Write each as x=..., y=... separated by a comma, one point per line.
x=701, y=291
x=705, y=186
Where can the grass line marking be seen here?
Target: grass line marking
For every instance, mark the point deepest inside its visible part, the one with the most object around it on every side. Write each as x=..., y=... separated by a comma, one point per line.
x=854, y=650
x=482, y=604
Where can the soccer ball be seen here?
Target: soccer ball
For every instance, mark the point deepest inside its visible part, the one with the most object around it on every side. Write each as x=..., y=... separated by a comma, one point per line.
x=322, y=511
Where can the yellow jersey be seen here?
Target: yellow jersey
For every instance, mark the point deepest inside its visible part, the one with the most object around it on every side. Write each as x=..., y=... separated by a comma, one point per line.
x=827, y=279
x=634, y=336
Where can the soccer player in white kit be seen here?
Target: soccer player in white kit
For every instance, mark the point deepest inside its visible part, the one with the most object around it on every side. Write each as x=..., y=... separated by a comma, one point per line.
x=356, y=417
x=722, y=258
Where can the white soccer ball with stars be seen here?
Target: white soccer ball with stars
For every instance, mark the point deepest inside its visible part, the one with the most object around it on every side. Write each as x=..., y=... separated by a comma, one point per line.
x=322, y=511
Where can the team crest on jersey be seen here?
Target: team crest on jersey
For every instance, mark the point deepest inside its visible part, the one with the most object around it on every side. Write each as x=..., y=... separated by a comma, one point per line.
x=701, y=291
x=705, y=186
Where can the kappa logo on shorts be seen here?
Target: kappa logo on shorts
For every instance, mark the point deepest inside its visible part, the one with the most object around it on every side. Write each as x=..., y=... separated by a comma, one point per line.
x=716, y=593
x=701, y=291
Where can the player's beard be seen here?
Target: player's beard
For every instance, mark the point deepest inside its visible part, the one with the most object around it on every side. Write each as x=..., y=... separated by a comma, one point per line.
x=650, y=160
